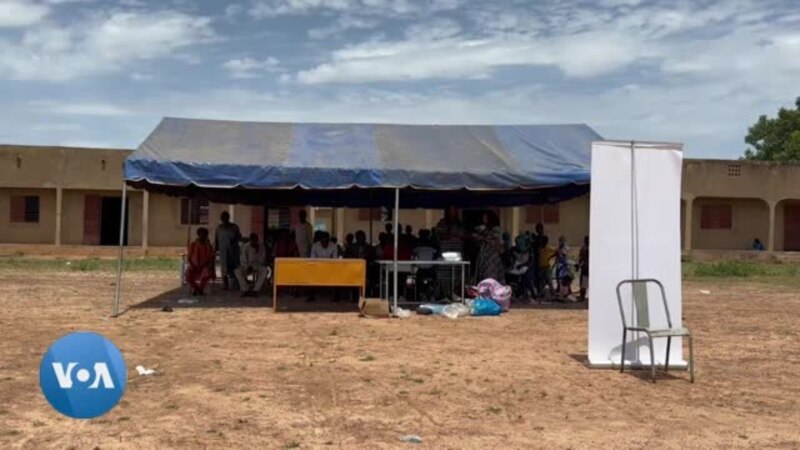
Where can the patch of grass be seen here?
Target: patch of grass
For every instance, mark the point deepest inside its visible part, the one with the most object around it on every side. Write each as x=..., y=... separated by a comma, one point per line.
x=367, y=358
x=494, y=409
x=290, y=445
x=739, y=269
x=88, y=264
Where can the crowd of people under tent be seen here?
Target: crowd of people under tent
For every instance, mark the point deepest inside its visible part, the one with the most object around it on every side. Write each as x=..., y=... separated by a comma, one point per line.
x=538, y=269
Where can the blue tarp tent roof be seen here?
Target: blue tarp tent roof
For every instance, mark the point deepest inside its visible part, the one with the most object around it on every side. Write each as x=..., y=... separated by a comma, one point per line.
x=301, y=162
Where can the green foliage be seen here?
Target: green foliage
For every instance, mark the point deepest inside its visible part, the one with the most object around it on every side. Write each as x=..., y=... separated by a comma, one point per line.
x=775, y=139
x=739, y=269
x=88, y=264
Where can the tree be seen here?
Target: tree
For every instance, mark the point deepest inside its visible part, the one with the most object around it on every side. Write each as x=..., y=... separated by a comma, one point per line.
x=775, y=139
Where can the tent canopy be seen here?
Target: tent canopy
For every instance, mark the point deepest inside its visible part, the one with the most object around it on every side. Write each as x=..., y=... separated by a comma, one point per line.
x=361, y=164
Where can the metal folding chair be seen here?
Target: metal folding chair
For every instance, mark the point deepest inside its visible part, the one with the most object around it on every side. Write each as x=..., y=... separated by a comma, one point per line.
x=642, y=324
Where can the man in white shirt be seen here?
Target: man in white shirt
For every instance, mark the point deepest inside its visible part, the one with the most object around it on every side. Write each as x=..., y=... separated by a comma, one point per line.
x=303, y=234
x=324, y=249
x=253, y=261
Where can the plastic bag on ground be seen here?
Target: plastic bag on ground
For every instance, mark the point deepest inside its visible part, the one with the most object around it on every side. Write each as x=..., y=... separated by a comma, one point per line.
x=485, y=307
x=494, y=290
x=455, y=310
x=402, y=313
x=434, y=308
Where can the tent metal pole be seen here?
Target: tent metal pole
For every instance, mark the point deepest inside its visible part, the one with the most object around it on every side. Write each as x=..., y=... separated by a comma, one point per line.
x=121, y=249
x=396, y=235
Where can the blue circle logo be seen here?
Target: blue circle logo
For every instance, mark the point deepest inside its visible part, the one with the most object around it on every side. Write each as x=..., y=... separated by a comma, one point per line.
x=83, y=375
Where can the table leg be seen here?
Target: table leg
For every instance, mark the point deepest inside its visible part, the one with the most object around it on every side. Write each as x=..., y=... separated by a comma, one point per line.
x=275, y=297
x=452, y=281
x=463, y=298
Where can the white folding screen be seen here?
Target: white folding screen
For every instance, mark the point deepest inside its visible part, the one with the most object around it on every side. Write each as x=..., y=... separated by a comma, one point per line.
x=634, y=233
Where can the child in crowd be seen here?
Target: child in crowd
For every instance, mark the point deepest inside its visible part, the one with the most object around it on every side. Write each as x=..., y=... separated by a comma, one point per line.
x=546, y=256
x=563, y=271
x=583, y=265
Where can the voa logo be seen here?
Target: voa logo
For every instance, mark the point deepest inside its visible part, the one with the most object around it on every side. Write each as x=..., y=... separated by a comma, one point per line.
x=83, y=375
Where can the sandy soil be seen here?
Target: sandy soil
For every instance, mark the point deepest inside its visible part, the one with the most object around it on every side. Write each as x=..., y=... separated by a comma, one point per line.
x=239, y=376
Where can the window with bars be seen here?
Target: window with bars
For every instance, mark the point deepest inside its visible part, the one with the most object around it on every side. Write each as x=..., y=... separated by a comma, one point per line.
x=366, y=214
x=734, y=170
x=25, y=209
x=716, y=217
x=198, y=214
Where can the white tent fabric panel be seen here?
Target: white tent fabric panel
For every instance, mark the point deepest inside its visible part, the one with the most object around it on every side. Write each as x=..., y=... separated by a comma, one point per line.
x=634, y=233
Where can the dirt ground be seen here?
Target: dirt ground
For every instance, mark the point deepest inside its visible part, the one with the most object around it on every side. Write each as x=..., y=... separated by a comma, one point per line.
x=239, y=376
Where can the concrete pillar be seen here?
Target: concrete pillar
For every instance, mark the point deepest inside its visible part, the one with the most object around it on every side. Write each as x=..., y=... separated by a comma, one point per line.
x=231, y=211
x=312, y=216
x=771, y=235
x=514, y=222
x=429, y=219
x=145, y=219
x=338, y=223
x=59, y=198
x=687, y=225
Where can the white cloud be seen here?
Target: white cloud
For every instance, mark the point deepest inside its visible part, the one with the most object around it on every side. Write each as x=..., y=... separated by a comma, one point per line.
x=262, y=9
x=79, y=109
x=140, y=76
x=251, y=68
x=580, y=55
x=21, y=13
x=104, y=44
x=342, y=24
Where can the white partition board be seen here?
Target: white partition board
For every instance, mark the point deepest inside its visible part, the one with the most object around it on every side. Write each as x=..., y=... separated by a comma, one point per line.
x=634, y=233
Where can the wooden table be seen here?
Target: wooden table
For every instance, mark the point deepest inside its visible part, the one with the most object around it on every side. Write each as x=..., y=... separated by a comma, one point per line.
x=319, y=273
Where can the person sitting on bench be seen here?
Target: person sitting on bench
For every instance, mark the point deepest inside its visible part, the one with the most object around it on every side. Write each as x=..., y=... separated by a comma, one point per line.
x=201, y=262
x=253, y=261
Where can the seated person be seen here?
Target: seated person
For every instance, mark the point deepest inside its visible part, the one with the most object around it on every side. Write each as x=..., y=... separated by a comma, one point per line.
x=757, y=245
x=253, y=261
x=286, y=247
x=360, y=248
x=324, y=248
x=349, y=242
x=425, y=251
x=201, y=262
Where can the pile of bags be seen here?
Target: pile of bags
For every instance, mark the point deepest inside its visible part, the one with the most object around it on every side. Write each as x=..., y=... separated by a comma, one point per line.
x=488, y=298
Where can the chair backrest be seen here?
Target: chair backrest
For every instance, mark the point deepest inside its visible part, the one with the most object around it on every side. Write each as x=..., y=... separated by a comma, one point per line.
x=639, y=293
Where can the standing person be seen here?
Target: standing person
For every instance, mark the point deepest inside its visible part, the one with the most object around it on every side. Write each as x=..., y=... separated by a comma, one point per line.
x=389, y=227
x=546, y=255
x=490, y=238
x=536, y=247
x=324, y=249
x=226, y=241
x=583, y=265
x=303, y=233
x=563, y=270
x=412, y=240
x=449, y=227
x=254, y=260
x=201, y=262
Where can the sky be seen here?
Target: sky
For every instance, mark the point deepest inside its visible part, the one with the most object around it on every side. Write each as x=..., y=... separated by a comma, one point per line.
x=102, y=73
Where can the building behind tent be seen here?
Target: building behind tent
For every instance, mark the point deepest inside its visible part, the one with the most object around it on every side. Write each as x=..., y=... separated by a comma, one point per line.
x=71, y=196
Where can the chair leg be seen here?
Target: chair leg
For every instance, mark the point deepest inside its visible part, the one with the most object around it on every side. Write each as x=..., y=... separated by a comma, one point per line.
x=666, y=360
x=622, y=355
x=691, y=359
x=652, y=359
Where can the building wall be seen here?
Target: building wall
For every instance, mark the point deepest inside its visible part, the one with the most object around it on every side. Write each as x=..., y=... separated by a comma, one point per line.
x=42, y=232
x=750, y=219
x=72, y=213
x=751, y=187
